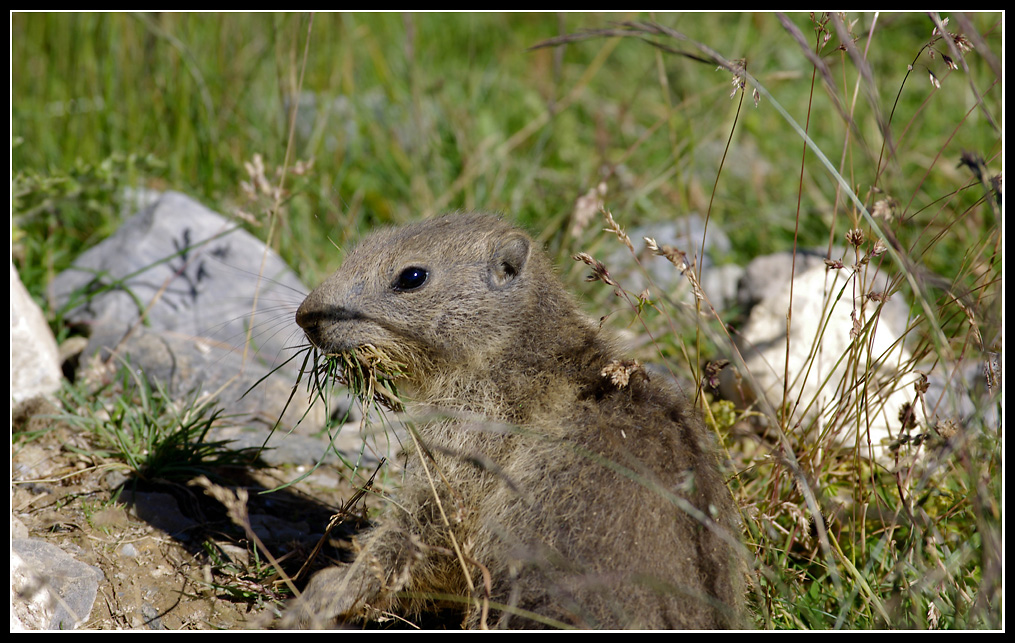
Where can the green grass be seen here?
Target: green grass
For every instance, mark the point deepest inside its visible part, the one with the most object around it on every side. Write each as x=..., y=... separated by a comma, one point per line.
x=416, y=114
x=138, y=426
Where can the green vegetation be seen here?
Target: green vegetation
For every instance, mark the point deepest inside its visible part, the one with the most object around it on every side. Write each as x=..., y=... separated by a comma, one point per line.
x=403, y=116
x=141, y=428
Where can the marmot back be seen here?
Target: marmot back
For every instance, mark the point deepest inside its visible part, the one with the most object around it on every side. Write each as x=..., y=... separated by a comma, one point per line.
x=566, y=496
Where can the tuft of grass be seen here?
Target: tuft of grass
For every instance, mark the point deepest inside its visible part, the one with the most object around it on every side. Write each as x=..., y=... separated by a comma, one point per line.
x=153, y=436
x=249, y=579
x=368, y=373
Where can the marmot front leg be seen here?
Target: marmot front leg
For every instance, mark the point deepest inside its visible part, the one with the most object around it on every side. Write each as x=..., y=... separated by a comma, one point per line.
x=344, y=593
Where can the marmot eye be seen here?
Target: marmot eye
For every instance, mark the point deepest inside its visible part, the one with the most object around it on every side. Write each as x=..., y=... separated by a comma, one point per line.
x=411, y=278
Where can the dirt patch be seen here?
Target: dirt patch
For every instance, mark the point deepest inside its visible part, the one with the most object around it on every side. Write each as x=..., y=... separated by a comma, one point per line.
x=170, y=556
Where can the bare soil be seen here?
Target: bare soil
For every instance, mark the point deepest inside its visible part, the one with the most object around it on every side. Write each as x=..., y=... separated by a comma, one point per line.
x=170, y=556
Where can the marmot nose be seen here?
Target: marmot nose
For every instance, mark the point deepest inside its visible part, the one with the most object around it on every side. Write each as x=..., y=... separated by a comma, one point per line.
x=306, y=317
x=312, y=314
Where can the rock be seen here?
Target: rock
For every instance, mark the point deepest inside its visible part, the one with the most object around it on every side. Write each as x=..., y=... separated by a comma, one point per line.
x=764, y=276
x=50, y=590
x=827, y=365
x=35, y=361
x=192, y=275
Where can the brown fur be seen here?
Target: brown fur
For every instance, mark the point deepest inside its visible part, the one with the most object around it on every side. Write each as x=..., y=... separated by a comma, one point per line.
x=587, y=503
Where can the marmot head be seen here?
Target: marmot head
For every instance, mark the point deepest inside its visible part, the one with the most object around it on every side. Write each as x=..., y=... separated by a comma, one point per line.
x=455, y=291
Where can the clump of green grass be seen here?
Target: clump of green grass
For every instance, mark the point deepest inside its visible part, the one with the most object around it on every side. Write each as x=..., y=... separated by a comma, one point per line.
x=249, y=579
x=367, y=373
x=141, y=428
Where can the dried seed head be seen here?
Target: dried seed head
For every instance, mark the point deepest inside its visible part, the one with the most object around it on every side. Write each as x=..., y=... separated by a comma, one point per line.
x=599, y=271
x=620, y=372
x=615, y=228
x=962, y=43
x=907, y=417
x=673, y=255
x=834, y=264
x=974, y=162
x=301, y=167
x=921, y=385
x=585, y=208
x=854, y=237
x=259, y=184
x=947, y=429
x=885, y=208
x=857, y=327
x=245, y=216
x=738, y=68
x=712, y=371
x=258, y=181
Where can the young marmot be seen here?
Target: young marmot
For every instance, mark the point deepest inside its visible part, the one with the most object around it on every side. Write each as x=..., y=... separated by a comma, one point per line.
x=565, y=495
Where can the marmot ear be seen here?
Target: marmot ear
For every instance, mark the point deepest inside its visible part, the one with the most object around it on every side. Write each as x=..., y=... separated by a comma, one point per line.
x=509, y=257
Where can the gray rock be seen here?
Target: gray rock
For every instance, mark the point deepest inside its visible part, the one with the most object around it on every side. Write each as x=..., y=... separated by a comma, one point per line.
x=956, y=393
x=188, y=269
x=764, y=276
x=337, y=122
x=50, y=589
x=35, y=362
x=960, y=393
x=172, y=293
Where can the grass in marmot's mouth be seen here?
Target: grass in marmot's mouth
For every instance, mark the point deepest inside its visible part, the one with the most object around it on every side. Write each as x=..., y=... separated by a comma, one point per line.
x=368, y=372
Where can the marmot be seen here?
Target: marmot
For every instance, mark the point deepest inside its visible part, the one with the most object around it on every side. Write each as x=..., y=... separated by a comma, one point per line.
x=564, y=498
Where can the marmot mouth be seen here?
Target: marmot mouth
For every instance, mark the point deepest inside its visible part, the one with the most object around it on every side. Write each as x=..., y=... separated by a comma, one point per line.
x=349, y=332
x=329, y=342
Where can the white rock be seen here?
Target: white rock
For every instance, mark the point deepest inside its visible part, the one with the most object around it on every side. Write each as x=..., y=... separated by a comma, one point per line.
x=35, y=361
x=846, y=390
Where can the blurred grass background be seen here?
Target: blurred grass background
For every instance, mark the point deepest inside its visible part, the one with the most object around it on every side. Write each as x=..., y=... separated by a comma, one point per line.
x=407, y=115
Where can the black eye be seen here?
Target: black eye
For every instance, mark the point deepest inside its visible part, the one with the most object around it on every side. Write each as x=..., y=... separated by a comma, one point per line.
x=411, y=278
